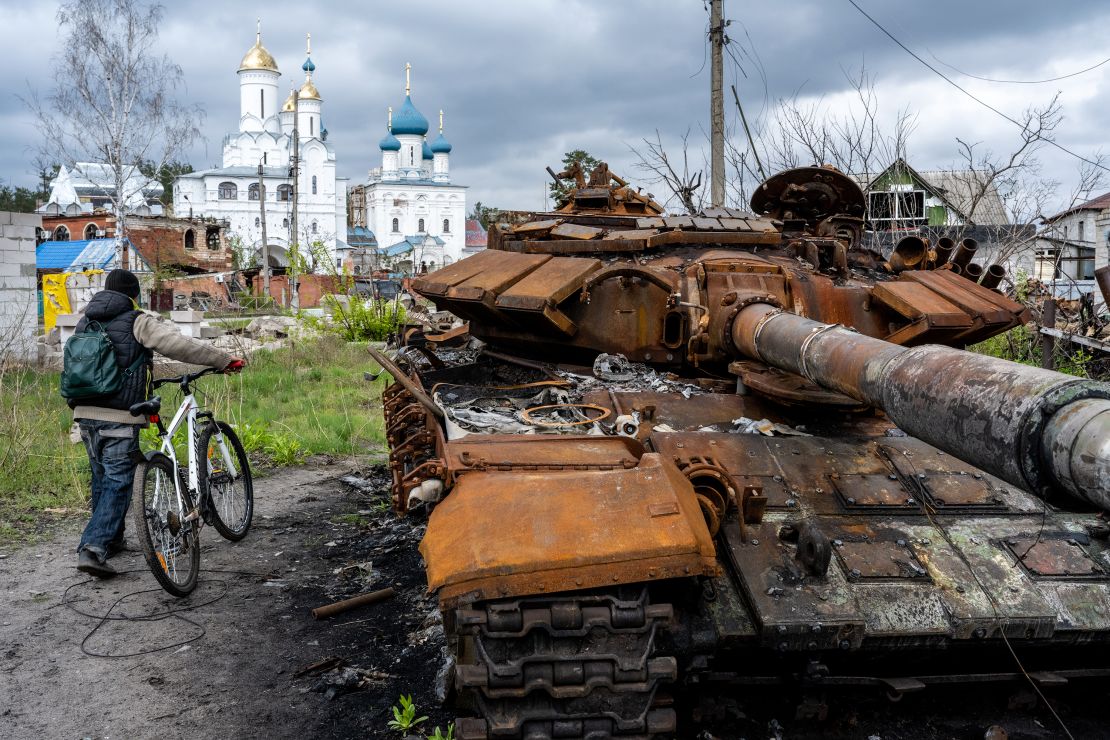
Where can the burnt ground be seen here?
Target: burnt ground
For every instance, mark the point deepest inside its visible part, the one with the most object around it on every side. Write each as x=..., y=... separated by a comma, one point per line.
x=321, y=534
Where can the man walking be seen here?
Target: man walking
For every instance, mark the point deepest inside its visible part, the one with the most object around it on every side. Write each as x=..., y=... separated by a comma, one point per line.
x=109, y=431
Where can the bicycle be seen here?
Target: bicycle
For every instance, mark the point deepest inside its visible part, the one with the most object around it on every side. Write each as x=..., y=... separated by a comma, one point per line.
x=167, y=513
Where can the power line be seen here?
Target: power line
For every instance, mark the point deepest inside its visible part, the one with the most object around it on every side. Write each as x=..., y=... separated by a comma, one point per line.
x=981, y=102
x=1020, y=82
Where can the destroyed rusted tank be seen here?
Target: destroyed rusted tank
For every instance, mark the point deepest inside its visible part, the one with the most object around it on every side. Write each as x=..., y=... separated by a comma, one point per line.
x=739, y=447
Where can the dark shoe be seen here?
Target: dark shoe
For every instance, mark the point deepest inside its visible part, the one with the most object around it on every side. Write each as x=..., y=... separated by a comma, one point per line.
x=88, y=562
x=115, y=547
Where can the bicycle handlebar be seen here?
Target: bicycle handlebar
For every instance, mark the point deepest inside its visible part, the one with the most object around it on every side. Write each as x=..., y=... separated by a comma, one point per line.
x=184, y=380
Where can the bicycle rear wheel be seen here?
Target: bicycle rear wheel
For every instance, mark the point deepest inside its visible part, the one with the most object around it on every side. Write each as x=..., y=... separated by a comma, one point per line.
x=230, y=495
x=170, y=544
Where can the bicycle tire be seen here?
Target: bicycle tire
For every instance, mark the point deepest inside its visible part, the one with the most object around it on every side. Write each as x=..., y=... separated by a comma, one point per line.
x=164, y=549
x=221, y=506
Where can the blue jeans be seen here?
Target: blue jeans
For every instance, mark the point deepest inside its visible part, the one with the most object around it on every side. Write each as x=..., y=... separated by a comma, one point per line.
x=110, y=446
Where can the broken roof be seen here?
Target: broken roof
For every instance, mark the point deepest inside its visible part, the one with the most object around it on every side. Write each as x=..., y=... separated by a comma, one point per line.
x=957, y=188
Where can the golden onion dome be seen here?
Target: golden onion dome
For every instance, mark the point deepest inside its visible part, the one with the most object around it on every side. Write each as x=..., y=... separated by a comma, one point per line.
x=258, y=58
x=290, y=104
x=309, y=91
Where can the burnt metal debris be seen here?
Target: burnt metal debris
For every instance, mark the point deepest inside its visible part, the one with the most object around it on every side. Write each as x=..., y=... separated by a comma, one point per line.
x=740, y=447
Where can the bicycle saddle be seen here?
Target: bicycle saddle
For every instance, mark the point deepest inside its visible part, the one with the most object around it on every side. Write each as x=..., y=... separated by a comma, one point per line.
x=146, y=408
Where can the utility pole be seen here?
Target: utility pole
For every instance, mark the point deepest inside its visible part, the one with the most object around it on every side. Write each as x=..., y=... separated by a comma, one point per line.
x=294, y=235
x=265, y=241
x=717, y=103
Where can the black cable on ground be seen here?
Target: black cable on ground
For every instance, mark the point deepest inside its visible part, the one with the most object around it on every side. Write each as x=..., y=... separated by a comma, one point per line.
x=156, y=616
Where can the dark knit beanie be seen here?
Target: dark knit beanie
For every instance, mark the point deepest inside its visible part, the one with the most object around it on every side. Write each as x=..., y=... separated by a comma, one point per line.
x=123, y=281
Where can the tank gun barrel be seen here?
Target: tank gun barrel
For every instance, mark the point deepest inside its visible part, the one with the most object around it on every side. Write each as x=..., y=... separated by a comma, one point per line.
x=1041, y=430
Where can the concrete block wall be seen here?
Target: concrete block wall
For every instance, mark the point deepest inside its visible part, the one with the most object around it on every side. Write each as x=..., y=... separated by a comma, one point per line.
x=18, y=296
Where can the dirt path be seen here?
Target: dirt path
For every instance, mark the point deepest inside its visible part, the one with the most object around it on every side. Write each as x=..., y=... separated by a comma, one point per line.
x=249, y=633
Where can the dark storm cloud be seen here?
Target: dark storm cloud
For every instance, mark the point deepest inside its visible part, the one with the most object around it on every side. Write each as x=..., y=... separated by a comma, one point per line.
x=522, y=82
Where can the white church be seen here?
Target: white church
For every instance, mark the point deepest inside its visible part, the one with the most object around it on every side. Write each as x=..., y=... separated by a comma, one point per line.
x=417, y=215
x=265, y=136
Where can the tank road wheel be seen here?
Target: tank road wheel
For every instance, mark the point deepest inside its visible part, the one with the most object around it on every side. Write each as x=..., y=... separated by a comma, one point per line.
x=579, y=665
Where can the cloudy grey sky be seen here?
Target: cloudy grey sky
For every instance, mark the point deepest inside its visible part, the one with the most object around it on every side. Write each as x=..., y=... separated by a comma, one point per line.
x=523, y=81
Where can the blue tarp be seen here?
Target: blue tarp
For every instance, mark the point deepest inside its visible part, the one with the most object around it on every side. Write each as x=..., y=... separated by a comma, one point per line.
x=92, y=254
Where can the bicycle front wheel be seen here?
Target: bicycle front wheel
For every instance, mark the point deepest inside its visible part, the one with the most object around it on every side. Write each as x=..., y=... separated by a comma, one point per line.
x=225, y=474
x=160, y=511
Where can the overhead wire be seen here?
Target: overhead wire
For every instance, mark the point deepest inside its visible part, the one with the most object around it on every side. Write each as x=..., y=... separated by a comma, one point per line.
x=980, y=101
x=1020, y=82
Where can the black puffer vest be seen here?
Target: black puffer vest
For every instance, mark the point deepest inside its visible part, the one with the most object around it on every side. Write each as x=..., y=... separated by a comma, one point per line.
x=116, y=313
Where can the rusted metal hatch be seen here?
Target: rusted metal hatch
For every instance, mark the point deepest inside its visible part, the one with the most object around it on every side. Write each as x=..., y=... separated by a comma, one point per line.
x=963, y=492
x=1055, y=557
x=874, y=491
x=869, y=560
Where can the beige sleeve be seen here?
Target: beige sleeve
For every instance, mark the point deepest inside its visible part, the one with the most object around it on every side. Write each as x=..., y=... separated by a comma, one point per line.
x=163, y=337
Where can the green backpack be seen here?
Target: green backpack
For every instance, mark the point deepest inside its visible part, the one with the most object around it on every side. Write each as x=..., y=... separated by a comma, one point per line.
x=89, y=367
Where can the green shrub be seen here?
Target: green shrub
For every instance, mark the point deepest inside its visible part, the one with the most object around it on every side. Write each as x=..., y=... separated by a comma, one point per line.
x=362, y=319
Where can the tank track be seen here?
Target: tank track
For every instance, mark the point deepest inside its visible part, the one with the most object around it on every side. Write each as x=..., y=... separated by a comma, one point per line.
x=564, y=666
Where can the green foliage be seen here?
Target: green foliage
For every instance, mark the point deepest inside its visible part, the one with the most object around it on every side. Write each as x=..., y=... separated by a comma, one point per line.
x=437, y=735
x=560, y=191
x=20, y=200
x=361, y=319
x=485, y=215
x=1023, y=344
x=404, y=717
x=165, y=175
x=242, y=257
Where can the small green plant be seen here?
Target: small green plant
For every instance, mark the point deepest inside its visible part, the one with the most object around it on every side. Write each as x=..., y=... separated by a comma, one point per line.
x=404, y=717
x=437, y=735
x=285, y=450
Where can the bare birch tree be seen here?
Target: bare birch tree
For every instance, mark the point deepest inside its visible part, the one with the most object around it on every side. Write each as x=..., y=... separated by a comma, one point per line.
x=113, y=101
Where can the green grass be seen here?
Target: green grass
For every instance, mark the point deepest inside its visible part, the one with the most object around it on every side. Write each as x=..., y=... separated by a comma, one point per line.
x=288, y=404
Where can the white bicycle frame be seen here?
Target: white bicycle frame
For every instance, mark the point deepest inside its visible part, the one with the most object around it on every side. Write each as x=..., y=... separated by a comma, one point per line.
x=187, y=414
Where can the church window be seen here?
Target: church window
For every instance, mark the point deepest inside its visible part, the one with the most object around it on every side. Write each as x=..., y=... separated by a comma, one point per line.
x=262, y=104
x=314, y=184
x=396, y=226
x=311, y=126
x=285, y=192
x=90, y=231
x=420, y=226
x=257, y=221
x=252, y=191
x=446, y=226
x=285, y=223
x=412, y=154
x=358, y=269
x=212, y=237
x=338, y=264
x=228, y=191
x=313, y=227
x=61, y=234
x=190, y=239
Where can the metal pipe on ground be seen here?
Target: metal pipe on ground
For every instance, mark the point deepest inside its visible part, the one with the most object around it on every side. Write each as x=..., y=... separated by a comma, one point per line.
x=945, y=247
x=973, y=272
x=330, y=610
x=1044, y=431
x=965, y=253
x=994, y=276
